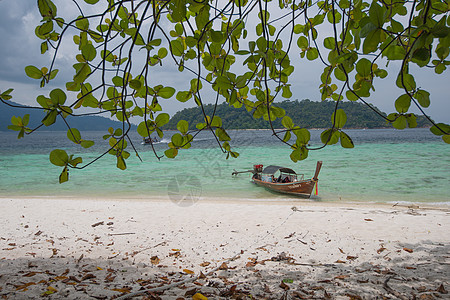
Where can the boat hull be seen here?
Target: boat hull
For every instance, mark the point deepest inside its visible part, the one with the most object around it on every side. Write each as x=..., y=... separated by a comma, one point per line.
x=301, y=189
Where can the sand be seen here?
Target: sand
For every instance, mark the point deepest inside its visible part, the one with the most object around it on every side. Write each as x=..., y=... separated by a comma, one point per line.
x=107, y=249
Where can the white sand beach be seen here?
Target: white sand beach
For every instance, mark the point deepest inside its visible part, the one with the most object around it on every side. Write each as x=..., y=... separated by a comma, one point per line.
x=108, y=249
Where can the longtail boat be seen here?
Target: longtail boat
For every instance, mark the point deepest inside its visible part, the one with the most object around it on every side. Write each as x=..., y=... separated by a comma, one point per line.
x=284, y=180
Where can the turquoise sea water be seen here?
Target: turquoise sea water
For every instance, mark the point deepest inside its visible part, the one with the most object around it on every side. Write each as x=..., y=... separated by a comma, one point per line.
x=385, y=166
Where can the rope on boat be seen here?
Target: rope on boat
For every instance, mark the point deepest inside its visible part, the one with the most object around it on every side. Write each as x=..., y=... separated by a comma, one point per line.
x=188, y=280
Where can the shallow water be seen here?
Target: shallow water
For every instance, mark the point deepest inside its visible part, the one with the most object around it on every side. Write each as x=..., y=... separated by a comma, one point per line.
x=385, y=166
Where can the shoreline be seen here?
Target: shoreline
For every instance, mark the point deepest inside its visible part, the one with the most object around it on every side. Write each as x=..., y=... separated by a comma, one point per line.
x=101, y=249
x=231, y=200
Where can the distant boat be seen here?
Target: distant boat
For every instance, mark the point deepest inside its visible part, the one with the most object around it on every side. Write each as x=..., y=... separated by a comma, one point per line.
x=284, y=180
x=149, y=140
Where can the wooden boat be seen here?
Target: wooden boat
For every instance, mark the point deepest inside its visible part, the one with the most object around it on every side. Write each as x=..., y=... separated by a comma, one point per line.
x=284, y=180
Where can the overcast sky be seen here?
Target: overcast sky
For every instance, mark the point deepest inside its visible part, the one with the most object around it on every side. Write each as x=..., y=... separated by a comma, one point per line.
x=19, y=48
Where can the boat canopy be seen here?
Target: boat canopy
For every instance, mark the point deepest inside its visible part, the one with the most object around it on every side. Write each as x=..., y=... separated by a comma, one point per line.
x=274, y=169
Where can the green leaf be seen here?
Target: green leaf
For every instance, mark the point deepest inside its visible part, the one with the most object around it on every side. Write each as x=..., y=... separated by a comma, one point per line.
x=17, y=121
x=87, y=144
x=287, y=122
x=234, y=154
x=296, y=155
x=446, y=138
x=82, y=23
x=312, y=53
x=329, y=43
x=286, y=92
x=371, y=41
x=74, y=135
x=183, y=126
x=166, y=92
x=45, y=28
x=200, y=126
x=88, y=51
x=107, y=55
x=26, y=119
x=59, y=158
x=364, y=67
x=216, y=122
x=179, y=10
x=33, y=72
x=366, y=28
x=58, y=96
x=47, y=8
x=6, y=94
x=216, y=36
x=423, y=97
x=43, y=101
x=135, y=84
x=142, y=128
x=171, y=153
x=223, y=83
x=155, y=42
x=376, y=14
x=177, y=140
x=121, y=163
x=422, y=55
x=162, y=52
x=53, y=73
x=303, y=135
x=403, y=103
x=162, y=119
x=183, y=96
x=222, y=135
x=299, y=154
x=176, y=47
x=82, y=72
x=341, y=118
x=408, y=82
x=412, y=120
x=74, y=162
x=440, y=129
x=202, y=17
x=50, y=118
x=394, y=52
x=261, y=43
x=15, y=127
x=63, y=177
x=339, y=74
x=346, y=141
x=330, y=134
x=396, y=26
x=139, y=40
x=400, y=122
x=91, y=1
x=117, y=80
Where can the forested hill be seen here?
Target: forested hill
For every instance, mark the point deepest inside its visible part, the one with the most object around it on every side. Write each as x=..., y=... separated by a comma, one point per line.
x=305, y=113
x=83, y=123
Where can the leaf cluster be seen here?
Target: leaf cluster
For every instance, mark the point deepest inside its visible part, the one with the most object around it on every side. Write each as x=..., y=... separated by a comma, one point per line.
x=247, y=63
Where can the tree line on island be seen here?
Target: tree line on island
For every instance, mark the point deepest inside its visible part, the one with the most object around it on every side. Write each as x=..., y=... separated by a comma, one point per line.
x=306, y=113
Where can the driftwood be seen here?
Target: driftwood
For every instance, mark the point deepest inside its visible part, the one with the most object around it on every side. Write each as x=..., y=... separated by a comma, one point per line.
x=392, y=291
x=124, y=233
x=97, y=224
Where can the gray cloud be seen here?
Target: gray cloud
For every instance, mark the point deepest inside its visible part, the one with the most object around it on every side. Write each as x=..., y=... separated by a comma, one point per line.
x=19, y=48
